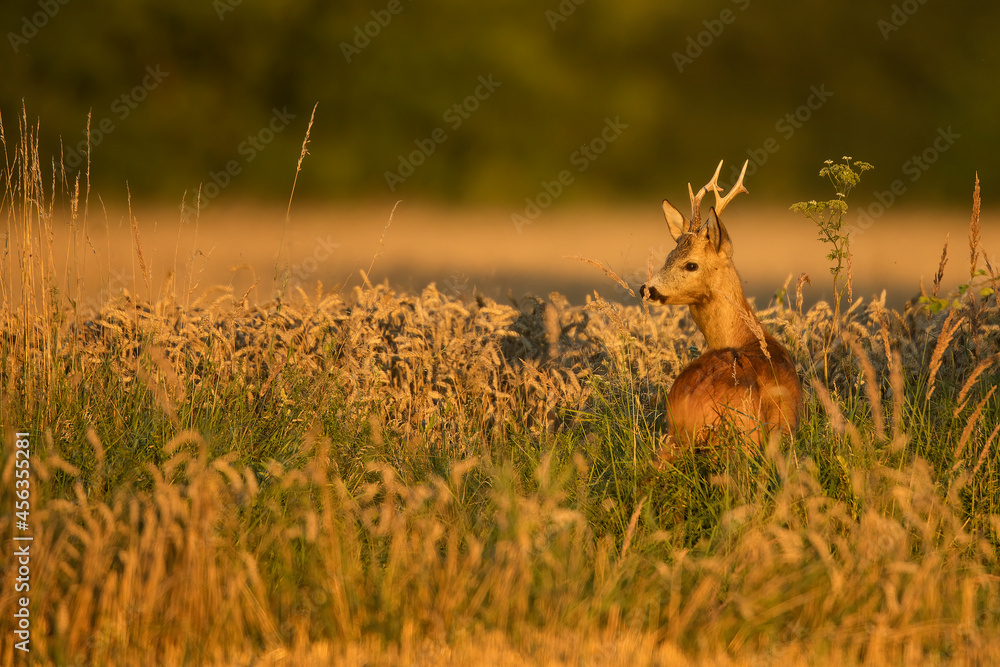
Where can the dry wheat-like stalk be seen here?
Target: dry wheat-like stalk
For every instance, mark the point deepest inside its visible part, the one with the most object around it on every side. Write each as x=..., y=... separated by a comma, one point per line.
x=974, y=231
x=630, y=531
x=605, y=270
x=160, y=394
x=650, y=265
x=948, y=330
x=837, y=420
x=969, y=426
x=971, y=380
x=138, y=244
x=753, y=324
x=99, y=456
x=552, y=329
x=850, y=275
x=612, y=311
x=298, y=168
x=883, y=327
x=162, y=363
x=381, y=244
x=898, y=395
x=986, y=449
x=871, y=383
x=803, y=280
x=941, y=264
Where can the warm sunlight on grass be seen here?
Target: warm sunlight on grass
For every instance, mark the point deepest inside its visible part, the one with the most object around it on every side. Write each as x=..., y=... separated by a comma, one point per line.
x=239, y=471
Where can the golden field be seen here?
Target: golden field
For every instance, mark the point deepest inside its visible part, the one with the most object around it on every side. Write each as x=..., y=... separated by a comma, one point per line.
x=467, y=250
x=229, y=470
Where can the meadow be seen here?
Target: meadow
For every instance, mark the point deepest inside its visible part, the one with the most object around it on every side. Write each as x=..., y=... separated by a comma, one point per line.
x=366, y=475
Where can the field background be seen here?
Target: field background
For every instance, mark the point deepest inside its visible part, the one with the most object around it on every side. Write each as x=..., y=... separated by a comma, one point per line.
x=466, y=251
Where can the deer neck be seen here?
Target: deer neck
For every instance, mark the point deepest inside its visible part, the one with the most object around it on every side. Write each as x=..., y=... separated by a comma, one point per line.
x=725, y=318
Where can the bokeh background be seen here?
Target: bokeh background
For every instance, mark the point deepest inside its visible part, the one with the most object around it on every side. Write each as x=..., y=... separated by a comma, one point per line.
x=472, y=114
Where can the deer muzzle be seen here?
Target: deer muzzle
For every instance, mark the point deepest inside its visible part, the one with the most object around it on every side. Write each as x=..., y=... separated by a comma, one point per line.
x=649, y=292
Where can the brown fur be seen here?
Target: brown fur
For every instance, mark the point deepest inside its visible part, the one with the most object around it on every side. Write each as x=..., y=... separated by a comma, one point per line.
x=738, y=386
x=735, y=382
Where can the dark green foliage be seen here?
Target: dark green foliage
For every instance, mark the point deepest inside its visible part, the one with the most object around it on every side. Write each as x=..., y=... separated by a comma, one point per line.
x=747, y=92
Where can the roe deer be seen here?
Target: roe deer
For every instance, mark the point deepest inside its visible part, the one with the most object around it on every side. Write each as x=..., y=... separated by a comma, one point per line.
x=745, y=378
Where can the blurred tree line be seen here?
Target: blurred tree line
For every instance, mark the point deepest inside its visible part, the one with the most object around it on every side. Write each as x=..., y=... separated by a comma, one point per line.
x=497, y=102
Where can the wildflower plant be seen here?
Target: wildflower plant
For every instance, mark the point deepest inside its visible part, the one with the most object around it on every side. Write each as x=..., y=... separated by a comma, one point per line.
x=829, y=219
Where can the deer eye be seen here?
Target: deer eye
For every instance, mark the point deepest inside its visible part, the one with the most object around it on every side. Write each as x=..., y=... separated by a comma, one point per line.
x=690, y=266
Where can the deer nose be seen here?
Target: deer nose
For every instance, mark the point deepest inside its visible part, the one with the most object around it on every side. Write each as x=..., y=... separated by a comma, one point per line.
x=653, y=294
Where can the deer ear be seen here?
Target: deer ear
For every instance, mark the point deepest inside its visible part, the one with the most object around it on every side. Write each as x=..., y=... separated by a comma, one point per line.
x=717, y=234
x=676, y=221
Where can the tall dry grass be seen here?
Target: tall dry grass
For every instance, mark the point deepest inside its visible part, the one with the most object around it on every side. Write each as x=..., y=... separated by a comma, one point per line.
x=372, y=477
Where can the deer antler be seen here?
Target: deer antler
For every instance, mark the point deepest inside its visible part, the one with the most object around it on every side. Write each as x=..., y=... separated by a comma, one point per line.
x=696, y=198
x=721, y=203
x=713, y=185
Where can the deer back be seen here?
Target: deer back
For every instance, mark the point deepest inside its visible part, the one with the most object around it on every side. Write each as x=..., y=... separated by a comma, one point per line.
x=753, y=392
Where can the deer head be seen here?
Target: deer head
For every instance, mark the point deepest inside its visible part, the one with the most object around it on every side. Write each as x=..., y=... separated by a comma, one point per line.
x=701, y=266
